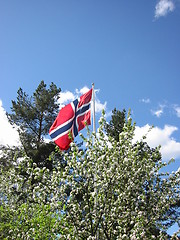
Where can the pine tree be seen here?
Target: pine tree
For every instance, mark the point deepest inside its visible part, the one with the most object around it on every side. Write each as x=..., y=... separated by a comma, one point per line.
x=116, y=124
x=33, y=115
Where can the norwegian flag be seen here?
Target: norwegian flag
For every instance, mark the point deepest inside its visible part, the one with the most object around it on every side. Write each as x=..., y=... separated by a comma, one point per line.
x=71, y=119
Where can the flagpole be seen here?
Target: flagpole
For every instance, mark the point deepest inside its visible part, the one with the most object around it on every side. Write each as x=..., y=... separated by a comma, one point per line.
x=93, y=97
x=94, y=131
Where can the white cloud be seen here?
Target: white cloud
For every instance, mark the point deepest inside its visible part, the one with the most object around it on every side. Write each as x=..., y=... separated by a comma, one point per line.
x=67, y=97
x=163, y=7
x=99, y=106
x=82, y=90
x=8, y=134
x=170, y=148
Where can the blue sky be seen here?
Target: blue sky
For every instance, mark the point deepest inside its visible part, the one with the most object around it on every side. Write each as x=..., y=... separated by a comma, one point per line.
x=129, y=49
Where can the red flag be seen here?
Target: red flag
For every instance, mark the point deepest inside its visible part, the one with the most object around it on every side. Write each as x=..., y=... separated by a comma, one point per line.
x=71, y=119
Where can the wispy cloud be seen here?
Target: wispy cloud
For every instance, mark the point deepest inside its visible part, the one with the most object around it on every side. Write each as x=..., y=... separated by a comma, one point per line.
x=159, y=111
x=8, y=134
x=166, y=108
x=145, y=100
x=177, y=109
x=170, y=148
x=163, y=7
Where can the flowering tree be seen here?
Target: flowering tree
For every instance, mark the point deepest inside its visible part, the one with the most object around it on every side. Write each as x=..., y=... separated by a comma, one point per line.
x=28, y=209
x=113, y=129
x=108, y=190
x=117, y=191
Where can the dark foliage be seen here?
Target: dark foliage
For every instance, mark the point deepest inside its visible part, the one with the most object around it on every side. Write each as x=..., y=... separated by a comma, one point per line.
x=34, y=116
